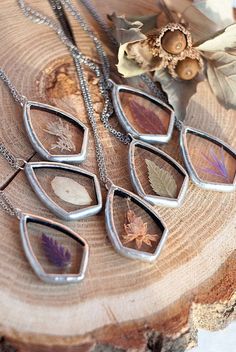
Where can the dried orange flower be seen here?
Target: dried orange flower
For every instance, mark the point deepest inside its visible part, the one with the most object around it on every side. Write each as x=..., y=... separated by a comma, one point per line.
x=136, y=230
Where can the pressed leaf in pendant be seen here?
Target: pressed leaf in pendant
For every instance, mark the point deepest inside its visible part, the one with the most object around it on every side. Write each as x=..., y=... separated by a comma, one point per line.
x=146, y=119
x=60, y=126
x=55, y=253
x=39, y=235
x=140, y=219
x=64, y=135
x=216, y=165
x=70, y=191
x=137, y=230
x=161, y=181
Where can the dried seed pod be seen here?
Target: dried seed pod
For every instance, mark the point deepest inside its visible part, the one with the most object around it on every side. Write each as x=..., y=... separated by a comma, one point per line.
x=174, y=42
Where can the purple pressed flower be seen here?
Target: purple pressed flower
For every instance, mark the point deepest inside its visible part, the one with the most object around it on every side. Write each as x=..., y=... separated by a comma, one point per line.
x=55, y=253
x=217, y=165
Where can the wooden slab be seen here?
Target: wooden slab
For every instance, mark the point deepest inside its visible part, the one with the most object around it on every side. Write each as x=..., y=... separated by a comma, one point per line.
x=122, y=305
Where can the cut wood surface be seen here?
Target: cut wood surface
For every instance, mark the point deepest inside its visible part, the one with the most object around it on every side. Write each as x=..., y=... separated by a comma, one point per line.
x=122, y=305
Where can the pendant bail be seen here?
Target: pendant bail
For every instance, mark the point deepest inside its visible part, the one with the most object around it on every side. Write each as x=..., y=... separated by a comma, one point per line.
x=179, y=124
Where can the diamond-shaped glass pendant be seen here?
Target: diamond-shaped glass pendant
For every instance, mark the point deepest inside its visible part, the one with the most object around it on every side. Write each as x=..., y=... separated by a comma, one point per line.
x=70, y=192
x=57, y=254
x=155, y=176
x=54, y=134
x=210, y=162
x=134, y=228
x=143, y=116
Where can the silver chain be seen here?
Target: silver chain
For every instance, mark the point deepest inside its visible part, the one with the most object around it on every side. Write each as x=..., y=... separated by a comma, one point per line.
x=14, y=162
x=16, y=95
x=7, y=206
x=79, y=60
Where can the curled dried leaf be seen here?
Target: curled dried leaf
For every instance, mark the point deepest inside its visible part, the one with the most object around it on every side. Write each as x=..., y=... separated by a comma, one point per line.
x=179, y=92
x=223, y=42
x=128, y=67
x=126, y=31
x=222, y=78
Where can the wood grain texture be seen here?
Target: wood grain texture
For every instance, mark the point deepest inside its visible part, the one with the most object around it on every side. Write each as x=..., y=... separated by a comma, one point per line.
x=122, y=305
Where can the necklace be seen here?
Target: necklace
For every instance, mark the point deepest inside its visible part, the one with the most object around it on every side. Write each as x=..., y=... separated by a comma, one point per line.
x=133, y=226
x=165, y=182
x=211, y=165
x=60, y=129
x=70, y=192
x=54, y=261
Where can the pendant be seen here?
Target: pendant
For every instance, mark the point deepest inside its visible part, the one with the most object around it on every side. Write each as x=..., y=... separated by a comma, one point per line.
x=63, y=138
x=210, y=162
x=143, y=116
x=56, y=254
x=156, y=177
x=134, y=228
x=71, y=193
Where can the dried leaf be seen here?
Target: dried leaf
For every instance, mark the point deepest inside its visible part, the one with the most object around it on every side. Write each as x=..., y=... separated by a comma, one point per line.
x=200, y=26
x=126, y=31
x=149, y=22
x=55, y=253
x=222, y=42
x=70, y=191
x=136, y=230
x=140, y=52
x=216, y=164
x=64, y=134
x=179, y=92
x=221, y=74
x=127, y=67
x=146, y=119
x=161, y=181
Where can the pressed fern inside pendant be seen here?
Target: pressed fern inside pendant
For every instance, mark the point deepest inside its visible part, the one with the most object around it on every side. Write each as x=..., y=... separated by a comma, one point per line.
x=144, y=115
x=55, y=133
x=55, y=252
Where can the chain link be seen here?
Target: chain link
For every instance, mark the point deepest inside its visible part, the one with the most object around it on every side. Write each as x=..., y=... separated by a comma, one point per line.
x=14, y=162
x=7, y=206
x=16, y=95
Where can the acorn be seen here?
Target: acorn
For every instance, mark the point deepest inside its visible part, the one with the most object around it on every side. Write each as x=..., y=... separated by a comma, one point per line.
x=188, y=68
x=174, y=42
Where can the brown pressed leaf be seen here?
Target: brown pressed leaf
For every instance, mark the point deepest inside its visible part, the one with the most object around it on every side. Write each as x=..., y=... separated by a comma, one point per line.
x=221, y=74
x=147, y=120
x=178, y=92
x=161, y=181
x=136, y=230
